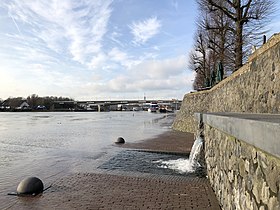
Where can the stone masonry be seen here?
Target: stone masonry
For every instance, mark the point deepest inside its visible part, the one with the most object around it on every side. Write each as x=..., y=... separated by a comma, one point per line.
x=242, y=176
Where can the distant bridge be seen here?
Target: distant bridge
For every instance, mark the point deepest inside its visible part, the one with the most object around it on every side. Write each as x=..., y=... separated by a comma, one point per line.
x=115, y=102
x=107, y=105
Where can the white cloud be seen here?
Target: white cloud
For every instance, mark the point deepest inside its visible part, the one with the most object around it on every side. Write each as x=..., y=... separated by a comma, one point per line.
x=48, y=48
x=156, y=48
x=117, y=55
x=153, y=75
x=161, y=69
x=145, y=30
x=75, y=26
x=115, y=36
x=121, y=58
x=97, y=61
x=162, y=79
x=32, y=78
x=8, y=79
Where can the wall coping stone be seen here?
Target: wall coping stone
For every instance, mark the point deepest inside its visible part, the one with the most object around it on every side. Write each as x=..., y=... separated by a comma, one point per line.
x=259, y=130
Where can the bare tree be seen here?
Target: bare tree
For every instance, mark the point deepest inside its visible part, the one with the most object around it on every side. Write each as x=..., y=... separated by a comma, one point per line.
x=199, y=62
x=226, y=30
x=211, y=45
x=250, y=13
x=219, y=29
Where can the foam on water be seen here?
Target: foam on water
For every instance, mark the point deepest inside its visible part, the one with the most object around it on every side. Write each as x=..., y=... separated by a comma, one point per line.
x=182, y=165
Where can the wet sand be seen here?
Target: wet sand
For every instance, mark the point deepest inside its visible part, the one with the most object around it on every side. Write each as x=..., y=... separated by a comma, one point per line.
x=107, y=189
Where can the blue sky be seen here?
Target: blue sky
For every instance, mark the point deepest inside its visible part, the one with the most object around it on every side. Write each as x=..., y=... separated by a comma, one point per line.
x=97, y=49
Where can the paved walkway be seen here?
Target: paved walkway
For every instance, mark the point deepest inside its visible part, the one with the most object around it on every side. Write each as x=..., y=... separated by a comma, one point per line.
x=171, y=141
x=107, y=189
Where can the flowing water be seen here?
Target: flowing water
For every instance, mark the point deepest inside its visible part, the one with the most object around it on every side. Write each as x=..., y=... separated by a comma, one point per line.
x=50, y=145
x=185, y=165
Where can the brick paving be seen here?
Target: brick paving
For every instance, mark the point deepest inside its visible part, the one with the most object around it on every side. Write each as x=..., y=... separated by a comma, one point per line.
x=170, y=141
x=107, y=189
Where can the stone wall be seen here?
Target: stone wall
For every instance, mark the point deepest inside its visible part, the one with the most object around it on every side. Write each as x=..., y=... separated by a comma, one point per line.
x=254, y=88
x=244, y=172
x=242, y=176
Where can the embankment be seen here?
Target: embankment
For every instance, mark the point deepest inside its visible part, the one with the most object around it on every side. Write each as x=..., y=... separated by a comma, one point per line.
x=254, y=88
x=241, y=131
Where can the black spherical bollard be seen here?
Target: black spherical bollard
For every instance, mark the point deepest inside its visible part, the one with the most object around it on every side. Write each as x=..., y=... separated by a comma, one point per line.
x=120, y=140
x=30, y=186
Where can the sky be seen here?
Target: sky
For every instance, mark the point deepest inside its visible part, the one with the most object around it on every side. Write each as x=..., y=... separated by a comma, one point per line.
x=97, y=49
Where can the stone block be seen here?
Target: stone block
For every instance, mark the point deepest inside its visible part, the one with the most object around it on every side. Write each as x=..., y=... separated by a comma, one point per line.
x=262, y=208
x=232, y=164
x=273, y=203
x=249, y=184
x=257, y=189
x=273, y=177
x=259, y=173
x=254, y=155
x=265, y=194
x=231, y=176
x=242, y=171
x=247, y=166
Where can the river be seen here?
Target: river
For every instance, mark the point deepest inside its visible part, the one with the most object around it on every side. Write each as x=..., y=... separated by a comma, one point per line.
x=51, y=144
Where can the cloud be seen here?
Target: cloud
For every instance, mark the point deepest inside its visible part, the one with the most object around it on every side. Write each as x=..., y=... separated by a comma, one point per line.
x=155, y=75
x=97, y=61
x=87, y=49
x=161, y=68
x=8, y=79
x=36, y=78
x=122, y=58
x=75, y=26
x=145, y=30
x=115, y=36
x=118, y=55
x=161, y=78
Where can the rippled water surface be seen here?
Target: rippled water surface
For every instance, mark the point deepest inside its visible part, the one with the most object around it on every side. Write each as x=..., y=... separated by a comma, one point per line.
x=48, y=145
x=160, y=163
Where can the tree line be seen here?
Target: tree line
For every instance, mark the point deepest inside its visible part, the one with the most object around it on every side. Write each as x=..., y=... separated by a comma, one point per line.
x=34, y=101
x=226, y=31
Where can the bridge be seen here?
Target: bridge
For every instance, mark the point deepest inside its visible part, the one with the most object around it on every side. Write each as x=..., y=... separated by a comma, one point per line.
x=111, y=105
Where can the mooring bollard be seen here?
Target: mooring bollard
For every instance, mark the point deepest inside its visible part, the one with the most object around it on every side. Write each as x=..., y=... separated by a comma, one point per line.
x=120, y=140
x=30, y=186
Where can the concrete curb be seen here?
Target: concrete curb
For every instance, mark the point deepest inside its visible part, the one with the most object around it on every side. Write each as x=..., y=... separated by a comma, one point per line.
x=259, y=130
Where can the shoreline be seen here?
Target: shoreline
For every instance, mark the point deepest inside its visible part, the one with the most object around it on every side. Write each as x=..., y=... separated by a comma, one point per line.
x=108, y=189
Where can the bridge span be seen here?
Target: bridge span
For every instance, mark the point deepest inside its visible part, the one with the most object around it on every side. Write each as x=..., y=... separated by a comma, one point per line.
x=114, y=102
x=112, y=105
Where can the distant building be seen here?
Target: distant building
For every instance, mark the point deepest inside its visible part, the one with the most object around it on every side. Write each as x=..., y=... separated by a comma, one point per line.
x=24, y=106
x=63, y=106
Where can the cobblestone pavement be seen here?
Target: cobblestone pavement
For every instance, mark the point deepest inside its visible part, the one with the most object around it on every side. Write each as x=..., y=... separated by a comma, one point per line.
x=170, y=141
x=110, y=191
x=113, y=189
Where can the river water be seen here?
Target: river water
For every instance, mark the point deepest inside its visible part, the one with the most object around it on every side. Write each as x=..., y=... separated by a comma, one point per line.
x=49, y=145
